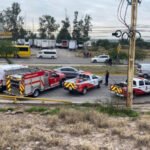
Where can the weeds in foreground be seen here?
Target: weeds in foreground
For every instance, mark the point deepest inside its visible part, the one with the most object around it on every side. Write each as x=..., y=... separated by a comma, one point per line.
x=36, y=109
x=6, y=109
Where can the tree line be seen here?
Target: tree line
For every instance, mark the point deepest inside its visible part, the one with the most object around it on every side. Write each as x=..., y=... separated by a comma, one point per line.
x=13, y=22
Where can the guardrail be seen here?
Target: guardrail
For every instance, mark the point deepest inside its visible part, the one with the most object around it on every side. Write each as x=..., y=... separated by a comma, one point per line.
x=16, y=99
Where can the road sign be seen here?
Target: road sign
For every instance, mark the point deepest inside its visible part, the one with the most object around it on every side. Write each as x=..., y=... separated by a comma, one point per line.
x=5, y=35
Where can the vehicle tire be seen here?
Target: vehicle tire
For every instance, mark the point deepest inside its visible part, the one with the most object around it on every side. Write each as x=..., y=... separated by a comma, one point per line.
x=62, y=82
x=52, y=57
x=40, y=57
x=94, y=61
x=99, y=85
x=134, y=95
x=36, y=93
x=145, y=76
x=84, y=91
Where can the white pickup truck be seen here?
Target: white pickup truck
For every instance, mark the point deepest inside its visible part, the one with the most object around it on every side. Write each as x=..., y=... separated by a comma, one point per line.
x=141, y=86
x=83, y=82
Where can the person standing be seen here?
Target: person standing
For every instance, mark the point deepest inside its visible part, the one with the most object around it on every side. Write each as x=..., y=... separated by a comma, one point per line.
x=106, y=78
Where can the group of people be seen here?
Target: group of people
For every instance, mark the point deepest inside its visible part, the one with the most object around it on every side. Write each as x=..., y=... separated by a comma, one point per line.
x=87, y=54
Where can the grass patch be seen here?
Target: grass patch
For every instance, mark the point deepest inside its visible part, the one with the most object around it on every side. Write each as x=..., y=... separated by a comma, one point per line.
x=147, y=113
x=6, y=109
x=36, y=109
x=113, y=111
x=80, y=109
x=54, y=111
x=99, y=70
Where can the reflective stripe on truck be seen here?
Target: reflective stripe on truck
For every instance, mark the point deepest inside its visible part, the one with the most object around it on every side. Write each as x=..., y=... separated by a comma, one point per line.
x=21, y=88
x=69, y=85
x=8, y=84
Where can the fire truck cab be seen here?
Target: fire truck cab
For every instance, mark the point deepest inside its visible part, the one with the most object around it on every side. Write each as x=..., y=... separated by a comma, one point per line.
x=34, y=82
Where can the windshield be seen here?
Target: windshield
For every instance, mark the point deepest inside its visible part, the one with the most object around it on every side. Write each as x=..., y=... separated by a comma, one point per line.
x=83, y=76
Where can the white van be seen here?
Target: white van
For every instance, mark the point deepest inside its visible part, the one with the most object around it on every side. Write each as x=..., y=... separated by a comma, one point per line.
x=47, y=53
x=143, y=70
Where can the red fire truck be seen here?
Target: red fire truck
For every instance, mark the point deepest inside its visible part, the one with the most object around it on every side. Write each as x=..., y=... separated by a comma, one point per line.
x=33, y=82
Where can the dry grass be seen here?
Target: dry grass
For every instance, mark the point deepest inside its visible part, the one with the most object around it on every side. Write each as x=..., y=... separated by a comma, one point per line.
x=71, y=116
x=79, y=129
x=144, y=125
x=143, y=141
x=73, y=129
x=52, y=121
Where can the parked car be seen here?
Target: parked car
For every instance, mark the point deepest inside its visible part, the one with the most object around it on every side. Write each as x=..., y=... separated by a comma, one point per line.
x=143, y=70
x=70, y=72
x=100, y=59
x=83, y=82
x=47, y=53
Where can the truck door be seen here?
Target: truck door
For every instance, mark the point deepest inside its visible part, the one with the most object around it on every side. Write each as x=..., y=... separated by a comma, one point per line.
x=53, y=79
x=147, y=86
x=142, y=86
x=46, y=79
x=95, y=80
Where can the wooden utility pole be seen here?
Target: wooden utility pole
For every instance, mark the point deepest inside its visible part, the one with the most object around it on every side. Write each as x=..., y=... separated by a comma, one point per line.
x=131, y=53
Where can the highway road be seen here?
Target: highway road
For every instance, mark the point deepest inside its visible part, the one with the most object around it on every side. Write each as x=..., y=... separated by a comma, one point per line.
x=101, y=95
x=96, y=95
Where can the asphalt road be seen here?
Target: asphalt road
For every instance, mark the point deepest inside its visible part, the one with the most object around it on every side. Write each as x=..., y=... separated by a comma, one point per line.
x=96, y=95
x=64, y=57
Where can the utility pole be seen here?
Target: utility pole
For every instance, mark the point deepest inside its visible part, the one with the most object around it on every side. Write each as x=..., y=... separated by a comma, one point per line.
x=131, y=53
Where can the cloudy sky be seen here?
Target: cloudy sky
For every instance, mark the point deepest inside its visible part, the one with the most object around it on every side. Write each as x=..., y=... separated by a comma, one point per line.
x=103, y=12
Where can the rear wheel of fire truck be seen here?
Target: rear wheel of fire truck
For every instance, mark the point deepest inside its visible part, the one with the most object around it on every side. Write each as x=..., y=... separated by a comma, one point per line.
x=84, y=91
x=36, y=93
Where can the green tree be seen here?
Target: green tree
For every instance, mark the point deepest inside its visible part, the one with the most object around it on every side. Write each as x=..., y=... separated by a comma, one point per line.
x=11, y=20
x=140, y=54
x=76, y=32
x=47, y=26
x=64, y=33
x=31, y=35
x=87, y=27
x=22, y=33
x=114, y=55
x=6, y=48
x=81, y=28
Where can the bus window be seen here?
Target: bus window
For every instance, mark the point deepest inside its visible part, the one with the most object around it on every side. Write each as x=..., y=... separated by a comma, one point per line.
x=23, y=49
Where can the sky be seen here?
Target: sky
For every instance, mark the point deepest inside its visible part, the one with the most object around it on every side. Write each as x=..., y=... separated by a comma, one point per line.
x=103, y=12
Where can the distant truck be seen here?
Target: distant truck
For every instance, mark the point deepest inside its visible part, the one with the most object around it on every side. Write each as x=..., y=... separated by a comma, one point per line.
x=72, y=45
x=33, y=82
x=6, y=70
x=46, y=43
x=64, y=44
x=141, y=86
